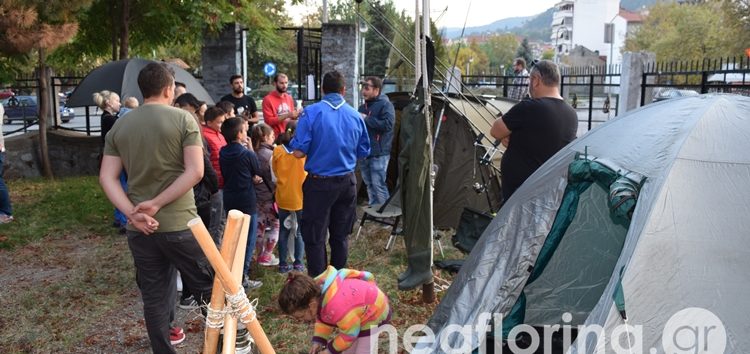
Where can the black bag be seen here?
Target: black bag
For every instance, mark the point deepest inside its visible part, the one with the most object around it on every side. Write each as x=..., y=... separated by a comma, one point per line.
x=470, y=229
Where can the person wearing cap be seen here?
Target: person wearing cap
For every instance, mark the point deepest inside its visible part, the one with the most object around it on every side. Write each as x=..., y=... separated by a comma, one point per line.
x=278, y=106
x=333, y=136
x=379, y=116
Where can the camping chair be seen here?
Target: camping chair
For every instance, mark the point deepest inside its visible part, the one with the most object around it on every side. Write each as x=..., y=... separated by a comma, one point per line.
x=391, y=209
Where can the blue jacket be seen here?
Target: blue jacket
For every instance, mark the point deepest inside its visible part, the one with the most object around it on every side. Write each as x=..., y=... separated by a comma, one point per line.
x=332, y=135
x=238, y=166
x=380, y=118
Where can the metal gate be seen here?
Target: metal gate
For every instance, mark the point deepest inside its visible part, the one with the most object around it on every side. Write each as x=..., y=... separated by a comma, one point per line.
x=309, y=66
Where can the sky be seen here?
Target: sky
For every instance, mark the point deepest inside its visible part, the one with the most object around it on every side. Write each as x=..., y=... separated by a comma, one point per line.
x=481, y=12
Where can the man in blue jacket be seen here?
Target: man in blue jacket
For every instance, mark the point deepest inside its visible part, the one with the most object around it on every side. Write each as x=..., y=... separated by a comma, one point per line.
x=332, y=136
x=379, y=116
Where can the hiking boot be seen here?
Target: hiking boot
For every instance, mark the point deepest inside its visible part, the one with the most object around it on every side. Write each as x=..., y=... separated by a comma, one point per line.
x=176, y=337
x=188, y=303
x=268, y=260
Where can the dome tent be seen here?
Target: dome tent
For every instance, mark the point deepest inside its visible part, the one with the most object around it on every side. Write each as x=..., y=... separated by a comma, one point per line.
x=555, y=247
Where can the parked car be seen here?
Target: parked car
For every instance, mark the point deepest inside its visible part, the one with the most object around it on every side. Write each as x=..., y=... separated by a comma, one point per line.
x=20, y=108
x=26, y=108
x=673, y=93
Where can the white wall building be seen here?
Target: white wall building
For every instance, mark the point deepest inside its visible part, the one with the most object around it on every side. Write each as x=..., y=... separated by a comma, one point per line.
x=588, y=26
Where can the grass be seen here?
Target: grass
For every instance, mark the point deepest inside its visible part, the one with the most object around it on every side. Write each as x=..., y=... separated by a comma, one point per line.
x=69, y=284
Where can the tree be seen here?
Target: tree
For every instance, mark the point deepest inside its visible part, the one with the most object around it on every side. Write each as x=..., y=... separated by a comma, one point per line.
x=38, y=26
x=501, y=50
x=687, y=32
x=524, y=51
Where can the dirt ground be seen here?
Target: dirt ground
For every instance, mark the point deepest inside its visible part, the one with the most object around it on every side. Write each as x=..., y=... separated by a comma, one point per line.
x=31, y=274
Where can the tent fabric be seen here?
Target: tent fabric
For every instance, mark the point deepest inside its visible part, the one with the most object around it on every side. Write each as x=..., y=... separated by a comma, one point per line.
x=414, y=162
x=686, y=245
x=456, y=157
x=122, y=77
x=582, y=173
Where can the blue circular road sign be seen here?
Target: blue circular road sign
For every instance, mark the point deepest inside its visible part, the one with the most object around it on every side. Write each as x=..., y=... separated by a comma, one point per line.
x=269, y=69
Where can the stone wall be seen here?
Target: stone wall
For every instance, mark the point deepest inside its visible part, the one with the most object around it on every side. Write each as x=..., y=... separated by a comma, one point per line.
x=221, y=58
x=339, y=51
x=71, y=154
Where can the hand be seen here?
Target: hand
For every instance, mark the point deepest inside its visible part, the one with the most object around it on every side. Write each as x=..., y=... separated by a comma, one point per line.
x=147, y=207
x=316, y=347
x=257, y=179
x=144, y=223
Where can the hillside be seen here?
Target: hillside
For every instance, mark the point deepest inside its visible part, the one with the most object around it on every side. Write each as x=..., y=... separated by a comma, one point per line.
x=535, y=28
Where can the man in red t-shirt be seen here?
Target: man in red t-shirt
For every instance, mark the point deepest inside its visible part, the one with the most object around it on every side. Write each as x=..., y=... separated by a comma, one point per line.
x=278, y=105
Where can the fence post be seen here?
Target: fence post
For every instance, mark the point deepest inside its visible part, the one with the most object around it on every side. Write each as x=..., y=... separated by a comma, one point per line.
x=591, y=98
x=633, y=80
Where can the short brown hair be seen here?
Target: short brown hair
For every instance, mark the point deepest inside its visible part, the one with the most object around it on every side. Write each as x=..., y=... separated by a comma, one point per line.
x=298, y=292
x=154, y=78
x=333, y=82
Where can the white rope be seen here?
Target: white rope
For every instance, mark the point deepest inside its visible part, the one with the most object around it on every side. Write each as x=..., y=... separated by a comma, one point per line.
x=237, y=302
x=215, y=318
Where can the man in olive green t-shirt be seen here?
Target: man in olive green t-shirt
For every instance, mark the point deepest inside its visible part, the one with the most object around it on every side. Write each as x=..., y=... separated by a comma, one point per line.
x=160, y=148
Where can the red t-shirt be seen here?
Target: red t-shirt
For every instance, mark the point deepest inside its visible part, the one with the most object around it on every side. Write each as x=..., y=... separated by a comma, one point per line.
x=215, y=142
x=275, y=104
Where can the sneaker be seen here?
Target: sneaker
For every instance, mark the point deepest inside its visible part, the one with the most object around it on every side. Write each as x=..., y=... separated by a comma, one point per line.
x=251, y=284
x=4, y=219
x=299, y=267
x=285, y=268
x=176, y=337
x=268, y=260
x=188, y=303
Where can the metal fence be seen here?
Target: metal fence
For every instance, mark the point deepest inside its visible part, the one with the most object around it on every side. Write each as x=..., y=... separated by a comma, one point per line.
x=664, y=80
x=592, y=91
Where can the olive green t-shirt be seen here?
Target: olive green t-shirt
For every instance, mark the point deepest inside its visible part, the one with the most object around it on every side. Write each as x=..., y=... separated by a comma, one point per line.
x=150, y=142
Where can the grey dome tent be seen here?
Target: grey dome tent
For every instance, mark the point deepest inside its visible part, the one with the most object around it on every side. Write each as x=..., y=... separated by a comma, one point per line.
x=638, y=220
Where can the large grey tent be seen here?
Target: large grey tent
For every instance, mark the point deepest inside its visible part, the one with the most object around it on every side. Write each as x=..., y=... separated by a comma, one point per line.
x=456, y=156
x=643, y=218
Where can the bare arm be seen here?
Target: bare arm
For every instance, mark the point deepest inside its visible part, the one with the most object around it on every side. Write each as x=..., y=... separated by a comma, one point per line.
x=109, y=179
x=499, y=130
x=193, y=157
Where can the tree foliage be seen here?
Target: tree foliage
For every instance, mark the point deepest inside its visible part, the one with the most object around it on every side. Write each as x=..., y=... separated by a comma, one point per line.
x=524, y=51
x=690, y=31
x=500, y=50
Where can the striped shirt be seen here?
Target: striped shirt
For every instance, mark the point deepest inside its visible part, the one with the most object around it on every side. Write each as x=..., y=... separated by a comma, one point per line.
x=350, y=302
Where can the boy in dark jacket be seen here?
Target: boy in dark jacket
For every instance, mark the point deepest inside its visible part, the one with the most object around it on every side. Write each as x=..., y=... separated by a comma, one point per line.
x=239, y=167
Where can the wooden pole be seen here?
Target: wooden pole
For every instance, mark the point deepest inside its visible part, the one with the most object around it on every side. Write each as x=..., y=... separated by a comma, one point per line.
x=428, y=293
x=230, y=323
x=224, y=274
x=228, y=247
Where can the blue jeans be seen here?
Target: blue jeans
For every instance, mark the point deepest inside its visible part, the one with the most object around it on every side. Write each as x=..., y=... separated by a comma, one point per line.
x=120, y=217
x=252, y=235
x=5, y=207
x=374, y=170
x=299, y=246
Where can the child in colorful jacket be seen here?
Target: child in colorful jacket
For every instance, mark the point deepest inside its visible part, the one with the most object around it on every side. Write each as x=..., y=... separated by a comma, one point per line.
x=346, y=299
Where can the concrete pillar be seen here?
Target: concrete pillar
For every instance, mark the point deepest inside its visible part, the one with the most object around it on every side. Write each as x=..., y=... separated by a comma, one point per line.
x=339, y=51
x=631, y=77
x=221, y=58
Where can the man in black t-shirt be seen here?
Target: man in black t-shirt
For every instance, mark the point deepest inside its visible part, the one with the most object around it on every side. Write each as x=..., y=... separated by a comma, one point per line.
x=534, y=129
x=244, y=105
